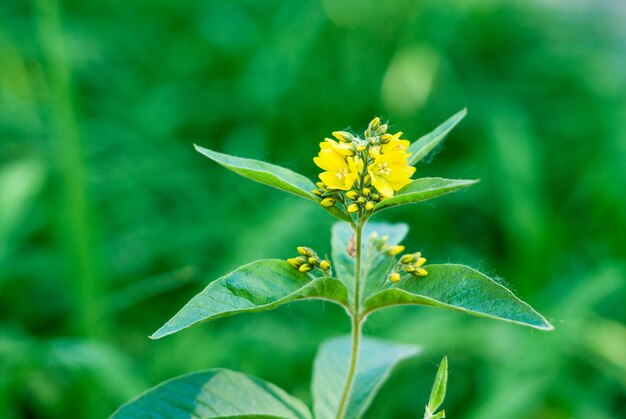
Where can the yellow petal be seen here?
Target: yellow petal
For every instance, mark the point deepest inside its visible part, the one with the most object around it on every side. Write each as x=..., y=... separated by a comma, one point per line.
x=331, y=180
x=381, y=185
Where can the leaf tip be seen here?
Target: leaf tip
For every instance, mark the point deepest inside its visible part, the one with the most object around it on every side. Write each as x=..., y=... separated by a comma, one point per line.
x=546, y=326
x=159, y=334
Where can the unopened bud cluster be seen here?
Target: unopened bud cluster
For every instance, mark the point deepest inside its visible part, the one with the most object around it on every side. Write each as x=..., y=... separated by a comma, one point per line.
x=360, y=172
x=308, y=261
x=410, y=263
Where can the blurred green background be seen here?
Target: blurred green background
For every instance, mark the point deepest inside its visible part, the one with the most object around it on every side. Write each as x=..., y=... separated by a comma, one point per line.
x=110, y=221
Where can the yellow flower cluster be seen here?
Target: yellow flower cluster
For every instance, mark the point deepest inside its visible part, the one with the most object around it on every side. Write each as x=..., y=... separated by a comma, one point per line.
x=410, y=263
x=308, y=261
x=364, y=170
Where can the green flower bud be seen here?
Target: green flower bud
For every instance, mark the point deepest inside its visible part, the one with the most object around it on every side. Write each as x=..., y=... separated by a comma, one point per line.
x=306, y=251
x=385, y=138
x=352, y=195
x=394, y=250
x=294, y=262
x=317, y=192
x=381, y=129
x=406, y=258
x=320, y=185
x=305, y=267
x=394, y=277
x=420, y=272
x=353, y=208
x=374, y=123
x=343, y=136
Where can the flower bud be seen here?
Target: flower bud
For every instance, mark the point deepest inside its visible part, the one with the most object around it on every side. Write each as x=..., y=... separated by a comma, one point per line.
x=394, y=250
x=369, y=205
x=361, y=200
x=420, y=261
x=394, y=277
x=374, y=123
x=353, y=208
x=409, y=268
x=420, y=272
x=306, y=251
x=325, y=265
x=385, y=138
x=328, y=202
x=361, y=147
x=375, y=196
x=302, y=259
x=317, y=192
x=353, y=195
x=320, y=185
x=313, y=261
x=343, y=136
x=366, y=191
x=406, y=258
x=367, y=179
x=305, y=267
x=294, y=262
x=381, y=129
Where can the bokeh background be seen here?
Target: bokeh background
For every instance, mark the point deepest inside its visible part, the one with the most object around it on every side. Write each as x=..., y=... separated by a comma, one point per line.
x=110, y=221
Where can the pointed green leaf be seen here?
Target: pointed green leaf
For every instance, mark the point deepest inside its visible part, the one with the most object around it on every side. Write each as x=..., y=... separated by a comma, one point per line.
x=428, y=142
x=215, y=393
x=423, y=189
x=439, y=415
x=258, y=286
x=438, y=393
x=377, y=358
x=271, y=175
x=460, y=288
x=376, y=265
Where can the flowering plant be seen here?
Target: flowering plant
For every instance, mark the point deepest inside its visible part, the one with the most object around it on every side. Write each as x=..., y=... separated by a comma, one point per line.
x=362, y=175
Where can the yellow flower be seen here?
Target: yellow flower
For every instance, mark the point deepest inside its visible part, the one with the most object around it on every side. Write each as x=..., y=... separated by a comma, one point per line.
x=390, y=171
x=396, y=144
x=341, y=168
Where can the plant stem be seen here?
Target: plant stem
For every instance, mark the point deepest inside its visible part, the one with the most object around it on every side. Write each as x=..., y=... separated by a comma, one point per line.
x=356, y=327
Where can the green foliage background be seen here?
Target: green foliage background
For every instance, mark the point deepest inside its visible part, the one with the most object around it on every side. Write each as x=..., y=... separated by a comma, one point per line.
x=110, y=221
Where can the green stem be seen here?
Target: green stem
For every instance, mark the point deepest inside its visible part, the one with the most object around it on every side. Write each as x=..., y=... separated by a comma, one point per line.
x=356, y=327
x=75, y=218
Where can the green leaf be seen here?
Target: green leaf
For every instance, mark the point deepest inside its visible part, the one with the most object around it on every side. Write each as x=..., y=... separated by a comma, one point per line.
x=376, y=265
x=215, y=393
x=271, y=175
x=460, y=288
x=423, y=189
x=438, y=393
x=377, y=358
x=258, y=286
x=428, y=142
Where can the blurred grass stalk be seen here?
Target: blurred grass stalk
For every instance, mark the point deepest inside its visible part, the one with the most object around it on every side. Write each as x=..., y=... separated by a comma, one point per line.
x=67, y=151
x=74, y=220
